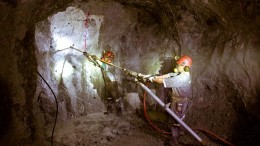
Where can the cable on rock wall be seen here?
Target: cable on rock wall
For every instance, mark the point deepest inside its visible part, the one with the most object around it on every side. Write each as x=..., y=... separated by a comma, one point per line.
x=56, y=101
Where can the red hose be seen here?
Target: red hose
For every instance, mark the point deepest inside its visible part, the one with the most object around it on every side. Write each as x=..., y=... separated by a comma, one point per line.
x=214, y=135
x=169, y=133
x=85, y=35
x=149, y=121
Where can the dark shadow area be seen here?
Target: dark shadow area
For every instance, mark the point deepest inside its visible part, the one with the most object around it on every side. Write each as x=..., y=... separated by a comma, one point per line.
x=247, y=128
x=5, y=108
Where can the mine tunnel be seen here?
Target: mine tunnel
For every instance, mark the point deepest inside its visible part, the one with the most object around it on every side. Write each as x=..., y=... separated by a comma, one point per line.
x=84, y=72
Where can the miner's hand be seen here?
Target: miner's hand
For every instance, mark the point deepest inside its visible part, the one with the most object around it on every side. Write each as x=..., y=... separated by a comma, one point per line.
x=85, y=53
x=148, y=78
x=131, y=73
x=143, y=78
x=94, y=57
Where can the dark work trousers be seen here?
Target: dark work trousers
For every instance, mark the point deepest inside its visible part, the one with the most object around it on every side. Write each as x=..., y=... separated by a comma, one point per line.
x=179, y=106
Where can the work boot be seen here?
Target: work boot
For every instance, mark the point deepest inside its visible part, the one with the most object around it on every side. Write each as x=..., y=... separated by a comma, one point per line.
x=172, y=142
x=175, y=143
x=182, y=131
x=109, y=105
x=175, y=132
x=119, y=106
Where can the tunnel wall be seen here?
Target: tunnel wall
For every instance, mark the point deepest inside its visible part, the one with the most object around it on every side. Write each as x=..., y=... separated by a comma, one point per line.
x=69, y=71
x=18, y=73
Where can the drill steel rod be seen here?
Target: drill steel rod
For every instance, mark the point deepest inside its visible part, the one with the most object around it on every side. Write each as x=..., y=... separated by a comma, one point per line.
x=158, y=100
x=71, y=47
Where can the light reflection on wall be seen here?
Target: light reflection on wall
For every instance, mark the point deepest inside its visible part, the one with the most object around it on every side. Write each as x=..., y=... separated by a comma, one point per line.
x=62, y=42
x=67, y=70
x=63, y=68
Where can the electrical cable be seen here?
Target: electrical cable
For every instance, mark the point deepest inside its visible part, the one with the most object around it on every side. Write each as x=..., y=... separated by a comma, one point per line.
x=56, y=101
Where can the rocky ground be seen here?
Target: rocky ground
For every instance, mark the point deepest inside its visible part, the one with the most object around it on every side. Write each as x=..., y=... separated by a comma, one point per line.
x=100, y=129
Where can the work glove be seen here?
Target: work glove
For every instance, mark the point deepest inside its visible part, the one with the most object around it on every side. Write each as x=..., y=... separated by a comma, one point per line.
x=94, y=57
x=130, y=73
x=85, y=53
x=148, y=78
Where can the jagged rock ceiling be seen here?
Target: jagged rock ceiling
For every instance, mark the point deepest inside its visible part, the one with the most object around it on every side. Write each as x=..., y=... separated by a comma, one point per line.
x=221, y=37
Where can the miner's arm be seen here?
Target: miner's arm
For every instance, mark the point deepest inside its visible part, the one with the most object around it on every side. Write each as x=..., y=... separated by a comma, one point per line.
x=159, y=79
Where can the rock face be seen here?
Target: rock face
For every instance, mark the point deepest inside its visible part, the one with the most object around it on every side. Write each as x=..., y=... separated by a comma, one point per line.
x=222, y=39
x=69, y=70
